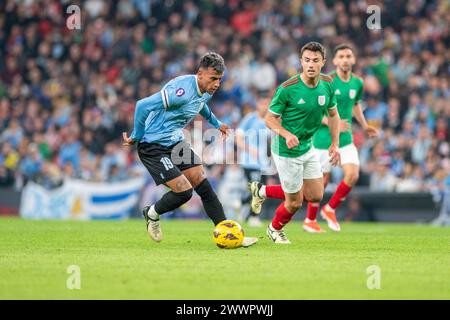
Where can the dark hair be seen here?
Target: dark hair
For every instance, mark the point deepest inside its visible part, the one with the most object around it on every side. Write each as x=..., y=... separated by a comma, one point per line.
x=343, y=46
x=213, y=60
x=313, y=46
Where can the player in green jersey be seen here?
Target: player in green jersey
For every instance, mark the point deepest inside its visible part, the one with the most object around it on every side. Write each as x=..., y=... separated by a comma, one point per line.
x=295, y=114
x=348, y=91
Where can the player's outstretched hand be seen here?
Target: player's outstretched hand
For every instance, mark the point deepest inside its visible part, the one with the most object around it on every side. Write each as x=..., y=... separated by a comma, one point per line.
x=128, y=140
x=224, y=129
x=291, y=141
x=372, y=132
x=344, y=125
x=335, y=156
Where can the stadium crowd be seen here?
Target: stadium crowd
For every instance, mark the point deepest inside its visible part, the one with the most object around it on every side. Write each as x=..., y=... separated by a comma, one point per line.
x=67, y=95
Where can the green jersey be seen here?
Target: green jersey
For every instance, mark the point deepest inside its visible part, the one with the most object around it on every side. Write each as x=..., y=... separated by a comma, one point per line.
x=301, y=109
x=347, y=95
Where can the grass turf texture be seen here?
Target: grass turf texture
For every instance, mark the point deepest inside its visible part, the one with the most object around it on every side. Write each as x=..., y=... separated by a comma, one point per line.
x=118, y=261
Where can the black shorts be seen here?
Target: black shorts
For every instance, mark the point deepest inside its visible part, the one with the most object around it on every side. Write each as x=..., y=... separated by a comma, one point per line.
x=166, y=163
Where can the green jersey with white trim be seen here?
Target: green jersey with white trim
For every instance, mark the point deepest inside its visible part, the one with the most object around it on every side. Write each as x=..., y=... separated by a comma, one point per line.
x=301, y=109
x=347, y=95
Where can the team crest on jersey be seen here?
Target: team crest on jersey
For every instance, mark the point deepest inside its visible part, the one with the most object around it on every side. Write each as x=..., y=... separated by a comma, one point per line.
x=352, y=93
x=321, y=100
x=179, y=92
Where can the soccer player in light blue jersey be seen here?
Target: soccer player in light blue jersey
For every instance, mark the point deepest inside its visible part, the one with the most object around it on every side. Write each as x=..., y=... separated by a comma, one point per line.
x=252, y=139
x=159, y=121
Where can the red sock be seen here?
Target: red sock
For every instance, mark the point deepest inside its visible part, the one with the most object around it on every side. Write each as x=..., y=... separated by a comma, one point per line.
x=282, y=217
x=311, y=211
x=275, y=192
x=340, y=194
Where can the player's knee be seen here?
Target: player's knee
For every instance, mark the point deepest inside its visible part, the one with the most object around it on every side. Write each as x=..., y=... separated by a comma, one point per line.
x=312, y=198
x=313, y=195
x=351, y=178
x=294, y=205
x=198, y=178
x=326, y=179
x=315, y=198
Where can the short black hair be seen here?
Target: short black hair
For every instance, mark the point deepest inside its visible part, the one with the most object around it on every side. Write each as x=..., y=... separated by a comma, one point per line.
x=343, y=46
x=212, y=60
x=313, y=46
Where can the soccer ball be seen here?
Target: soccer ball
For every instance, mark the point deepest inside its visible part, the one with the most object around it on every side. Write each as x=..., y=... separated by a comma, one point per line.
x=228, y=234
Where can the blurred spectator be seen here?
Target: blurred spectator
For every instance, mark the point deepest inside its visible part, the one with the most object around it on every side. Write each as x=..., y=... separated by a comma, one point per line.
x=116, y=174
x=8, y=156
x=70, y=152
x=112, y=162
x=375, y=112
x=409, y=182
x=6, y=176
x=50, y=176
x=30, y=165
x=67, y=95
x=421, y=146
x=13, y=133
x=382, y=180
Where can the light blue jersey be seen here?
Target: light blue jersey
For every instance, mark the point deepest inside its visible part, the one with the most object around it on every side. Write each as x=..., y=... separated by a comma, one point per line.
x=256, y=136
x=162, y=117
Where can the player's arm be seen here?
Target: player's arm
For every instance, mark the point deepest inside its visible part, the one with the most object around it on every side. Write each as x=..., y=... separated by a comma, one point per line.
x=371, y=131
x=212, y=119
x=273, y=122
x=273, y=117
x=343, y=124
x=167, y=98
x=359, y=115
x=141, y=112
x=333, y=125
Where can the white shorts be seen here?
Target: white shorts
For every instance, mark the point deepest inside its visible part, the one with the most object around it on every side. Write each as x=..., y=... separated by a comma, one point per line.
x=349, y=155
x=292, y=171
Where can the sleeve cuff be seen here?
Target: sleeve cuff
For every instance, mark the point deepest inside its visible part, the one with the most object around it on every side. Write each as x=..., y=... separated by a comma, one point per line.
x=278, y=114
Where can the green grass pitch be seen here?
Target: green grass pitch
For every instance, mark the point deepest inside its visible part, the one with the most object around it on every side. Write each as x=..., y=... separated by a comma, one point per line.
x=117, y=260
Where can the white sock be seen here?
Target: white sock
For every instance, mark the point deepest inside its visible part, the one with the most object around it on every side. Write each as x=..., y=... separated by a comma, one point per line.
x=152, y=214
x=327, y=206
x=308, y=220
x=262, y=192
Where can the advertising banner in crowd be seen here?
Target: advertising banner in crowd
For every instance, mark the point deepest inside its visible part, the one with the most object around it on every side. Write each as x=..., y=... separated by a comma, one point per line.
x=81, y=200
